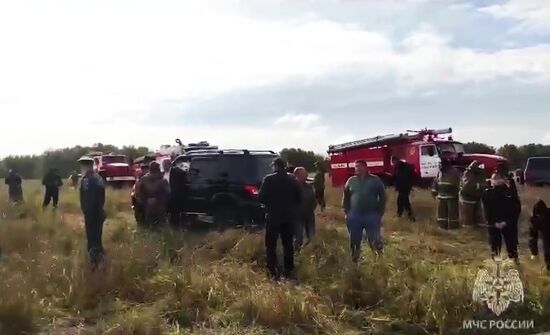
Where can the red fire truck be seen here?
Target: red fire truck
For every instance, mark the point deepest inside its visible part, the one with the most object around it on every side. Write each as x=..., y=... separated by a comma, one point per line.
x=113, y=168
x=421, y=149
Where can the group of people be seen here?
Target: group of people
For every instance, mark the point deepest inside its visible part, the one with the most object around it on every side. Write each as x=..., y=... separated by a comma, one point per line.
x=290, y=201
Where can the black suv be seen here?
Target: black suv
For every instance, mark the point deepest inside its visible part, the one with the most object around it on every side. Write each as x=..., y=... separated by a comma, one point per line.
x=224, y=184
x=537, y=171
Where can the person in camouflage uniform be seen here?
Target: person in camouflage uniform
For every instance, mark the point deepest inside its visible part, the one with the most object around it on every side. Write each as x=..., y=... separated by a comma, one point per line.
x=471, y=189
x=153, y=192
x=446, y=189
x=319, y=185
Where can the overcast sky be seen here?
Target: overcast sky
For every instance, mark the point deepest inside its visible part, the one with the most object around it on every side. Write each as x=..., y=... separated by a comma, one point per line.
x=270, y=74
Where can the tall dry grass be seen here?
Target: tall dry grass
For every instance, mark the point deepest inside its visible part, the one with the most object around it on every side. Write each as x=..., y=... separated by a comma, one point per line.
x=214, y=283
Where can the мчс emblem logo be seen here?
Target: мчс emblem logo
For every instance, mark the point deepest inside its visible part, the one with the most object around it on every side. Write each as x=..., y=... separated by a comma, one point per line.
x=498, y=285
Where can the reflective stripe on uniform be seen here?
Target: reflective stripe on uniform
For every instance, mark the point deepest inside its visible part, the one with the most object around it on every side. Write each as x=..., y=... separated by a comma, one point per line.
x=445, y=197
x=442, y=219
x=468, y=202
x=445, y=183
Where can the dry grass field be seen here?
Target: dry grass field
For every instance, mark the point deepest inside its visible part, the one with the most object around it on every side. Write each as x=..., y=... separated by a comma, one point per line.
x=214, y=283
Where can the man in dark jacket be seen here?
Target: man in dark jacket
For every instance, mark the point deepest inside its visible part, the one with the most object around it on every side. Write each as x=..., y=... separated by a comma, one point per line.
x=15, y=190
x=281, y=196
x=52, y=182
x=500, y=205
x=319, y=185
x=403, y=181
x=92, y=200
x=540, y=228
x=305, y=218
x=178, y=195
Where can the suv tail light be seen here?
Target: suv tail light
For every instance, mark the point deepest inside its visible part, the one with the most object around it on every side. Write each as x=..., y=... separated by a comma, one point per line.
x=251, y=189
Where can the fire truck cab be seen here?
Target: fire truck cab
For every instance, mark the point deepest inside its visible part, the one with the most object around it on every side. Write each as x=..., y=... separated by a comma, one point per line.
x=422, y=149
x=113, y=168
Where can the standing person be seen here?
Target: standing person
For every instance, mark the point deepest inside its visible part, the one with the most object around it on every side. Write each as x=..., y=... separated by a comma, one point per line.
x=74, y=179
x=471, y=189
x=15, y=189
x=178, y=194
x=446, y=187
x=166, y=167
x=138, y=207
x=364, y=203
x=499, y=204
x=305, y=218
x=92, y=201
x=403, y=181
x=52, y=182
x=153, y=192
x=319, y=185
x=540, y=227
x=281, y=196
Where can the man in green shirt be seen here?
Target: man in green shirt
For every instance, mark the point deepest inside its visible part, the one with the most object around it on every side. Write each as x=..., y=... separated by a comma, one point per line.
x=364, y=204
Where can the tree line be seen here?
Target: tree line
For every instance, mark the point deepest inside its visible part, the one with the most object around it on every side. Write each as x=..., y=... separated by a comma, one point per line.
x=34, y=166
x=516, y=155
x=64, y=160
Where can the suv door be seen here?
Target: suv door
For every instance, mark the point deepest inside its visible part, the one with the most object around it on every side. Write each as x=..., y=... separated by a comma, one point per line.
x=203, y=178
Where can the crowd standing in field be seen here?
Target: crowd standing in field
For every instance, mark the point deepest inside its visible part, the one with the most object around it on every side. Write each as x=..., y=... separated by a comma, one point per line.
x=290, y=202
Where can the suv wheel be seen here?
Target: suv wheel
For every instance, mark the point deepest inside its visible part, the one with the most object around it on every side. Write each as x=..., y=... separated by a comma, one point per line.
x=227, y=216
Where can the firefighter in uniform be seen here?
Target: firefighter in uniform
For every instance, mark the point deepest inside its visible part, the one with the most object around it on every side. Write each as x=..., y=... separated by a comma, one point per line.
x=446, y=188
x=471, y=189
x=92, y=200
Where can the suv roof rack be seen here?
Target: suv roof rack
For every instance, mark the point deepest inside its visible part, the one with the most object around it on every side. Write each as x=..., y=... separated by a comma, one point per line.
x=227, y=151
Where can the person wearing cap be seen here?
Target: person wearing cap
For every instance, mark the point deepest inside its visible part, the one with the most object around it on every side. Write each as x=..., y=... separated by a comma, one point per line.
x=153, y=192
x=319, y=185
x=446, y=188
x=15, y=189
x=364, y=205
x=472, y=186
x=499, y=205
x=403, y=180
x=92, y=201
x=305, y=218
x=52, y=182
x=281, y=195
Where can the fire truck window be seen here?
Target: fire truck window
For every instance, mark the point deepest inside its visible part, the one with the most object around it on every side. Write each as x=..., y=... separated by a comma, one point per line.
x=428, y=150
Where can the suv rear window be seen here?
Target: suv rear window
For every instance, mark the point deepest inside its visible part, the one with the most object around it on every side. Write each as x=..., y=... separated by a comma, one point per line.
x=538, y=163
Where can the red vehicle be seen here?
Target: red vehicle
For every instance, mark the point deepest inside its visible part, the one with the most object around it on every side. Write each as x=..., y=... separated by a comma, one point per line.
x=113, y=168
x=422, y=149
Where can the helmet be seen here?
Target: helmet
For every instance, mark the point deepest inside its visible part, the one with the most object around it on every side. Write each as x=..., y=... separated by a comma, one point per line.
x=474, y=165
x=85, y=159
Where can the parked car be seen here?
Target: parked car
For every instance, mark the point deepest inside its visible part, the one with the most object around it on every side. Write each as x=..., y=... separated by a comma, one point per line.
x=224, y=184
x=537, y=171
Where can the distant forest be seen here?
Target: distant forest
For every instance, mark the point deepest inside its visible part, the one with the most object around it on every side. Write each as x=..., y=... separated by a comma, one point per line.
x=34, y=166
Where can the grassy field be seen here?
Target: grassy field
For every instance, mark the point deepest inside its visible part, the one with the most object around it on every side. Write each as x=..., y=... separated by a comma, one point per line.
x=215, y=283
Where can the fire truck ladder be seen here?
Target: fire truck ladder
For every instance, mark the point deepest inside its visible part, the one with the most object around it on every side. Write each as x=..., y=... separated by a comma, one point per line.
x=371, y=142
x=377, y=141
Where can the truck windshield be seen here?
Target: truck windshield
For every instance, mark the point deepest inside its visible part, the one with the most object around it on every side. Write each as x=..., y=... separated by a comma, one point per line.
x=113, y=159
x=453, y=147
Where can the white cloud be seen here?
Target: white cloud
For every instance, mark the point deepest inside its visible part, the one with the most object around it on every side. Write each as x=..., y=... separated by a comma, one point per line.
x=110, y=66
x=532, y=15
